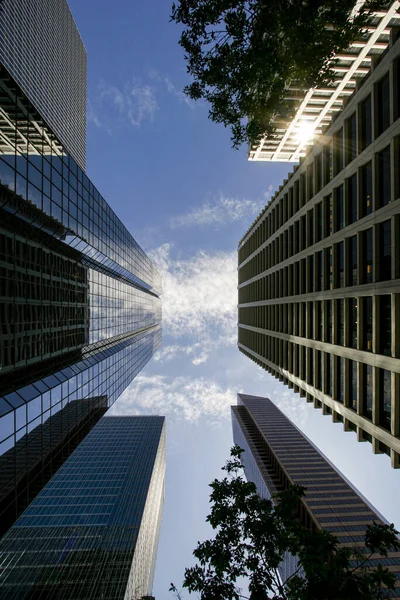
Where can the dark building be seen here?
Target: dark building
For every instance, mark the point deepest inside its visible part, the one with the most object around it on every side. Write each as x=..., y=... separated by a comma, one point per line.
x=80, y=306
x=41, y=48
x=278, y=455
x=319, y=269
x=93, y=531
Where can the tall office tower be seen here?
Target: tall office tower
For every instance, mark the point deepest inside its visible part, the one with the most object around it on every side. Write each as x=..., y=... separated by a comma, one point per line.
x=278, y=455
x=313, y=109
x=93, y=531
x=41, y=48
x=80, y=306
x=319, y=269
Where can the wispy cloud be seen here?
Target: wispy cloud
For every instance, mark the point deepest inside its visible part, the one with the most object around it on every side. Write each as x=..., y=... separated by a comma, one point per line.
x=194, y=351
x=199, y=299
x=132, y=103
x=171, y=87
x=182, y=398
x=221, y=211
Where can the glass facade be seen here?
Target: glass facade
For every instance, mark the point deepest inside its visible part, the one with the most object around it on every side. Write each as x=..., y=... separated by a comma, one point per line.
x=41, y=48
x=277, y=455
x=80, y=310
x=99, y=515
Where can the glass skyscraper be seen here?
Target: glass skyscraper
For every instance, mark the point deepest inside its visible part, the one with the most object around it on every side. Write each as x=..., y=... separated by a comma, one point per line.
x=93, y=531
x=41, y=48
x=80, y=306
x=278, y=455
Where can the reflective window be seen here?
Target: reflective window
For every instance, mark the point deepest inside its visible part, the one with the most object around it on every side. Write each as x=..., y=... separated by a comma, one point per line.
x=385, y=398
x=382, y=104
x=385, y=251
x=365, y=123
x=366, y=190
x=384, y=179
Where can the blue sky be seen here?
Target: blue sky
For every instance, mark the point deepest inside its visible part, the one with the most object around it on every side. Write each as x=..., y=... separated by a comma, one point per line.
x=187, y=197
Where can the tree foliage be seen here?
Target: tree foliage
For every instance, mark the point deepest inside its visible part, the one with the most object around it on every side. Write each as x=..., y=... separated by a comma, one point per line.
x=242, y=54
x=253, y=534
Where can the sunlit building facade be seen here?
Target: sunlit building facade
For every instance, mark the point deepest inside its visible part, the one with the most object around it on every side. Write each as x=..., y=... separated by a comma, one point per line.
x=41, y=48
x=93, y=531
x=80, y=306
x=319, y=269
x=277, y=455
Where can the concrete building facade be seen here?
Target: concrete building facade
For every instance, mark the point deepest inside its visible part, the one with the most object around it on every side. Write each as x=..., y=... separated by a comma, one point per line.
x=319, y=269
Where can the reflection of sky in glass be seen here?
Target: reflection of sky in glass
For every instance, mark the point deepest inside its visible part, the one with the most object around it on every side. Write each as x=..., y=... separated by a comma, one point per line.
x=53, y=194
x=116, y=307
x=108, y=372
x=102, y=508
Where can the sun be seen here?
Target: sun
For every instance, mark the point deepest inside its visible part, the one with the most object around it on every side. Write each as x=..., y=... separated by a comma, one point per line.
x=305, y=131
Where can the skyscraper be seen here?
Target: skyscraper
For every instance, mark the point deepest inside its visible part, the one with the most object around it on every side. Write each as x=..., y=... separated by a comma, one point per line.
x=42, y=50
x=319, y=269
x=278, y=455
x=93, y=531
x=313, y=109
x=80, y=306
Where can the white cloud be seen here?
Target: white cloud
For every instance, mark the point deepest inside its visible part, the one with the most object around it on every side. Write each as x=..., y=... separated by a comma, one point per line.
x=134, y=102
x=199, y=299
x=221, y=211
x=91, y=115
x=182, y=398
x=173, y=351
x=171, y=87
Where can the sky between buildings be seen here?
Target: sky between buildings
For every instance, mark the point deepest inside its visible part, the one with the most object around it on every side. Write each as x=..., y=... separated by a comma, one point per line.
x=171, y=176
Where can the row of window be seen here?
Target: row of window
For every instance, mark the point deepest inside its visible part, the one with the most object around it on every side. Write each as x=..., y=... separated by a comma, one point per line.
x=324, y=321
x=347, y=381
x=371, y=118
x=365, y=257
x=329, y=216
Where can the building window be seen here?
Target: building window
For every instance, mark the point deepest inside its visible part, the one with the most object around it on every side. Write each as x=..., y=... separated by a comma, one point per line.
x=338, y=151
x=351, y=138
x=353, y=259
x=367, y=395
x=310, y=320
x=384, y=183
x=353, y=322
x=385, y=398
x=328, y=308
x=328, y=379
x=367, y=323
x=353, y=384
x=327, y=163
x=340, y=379
x=368, y=256
x=385, y=325
x=310, y=274
x=320, y=319
x=318, y=218
x=366, y=190
x=352, y=199
x=339, y=208
x=319, y=370
x=365, y=123
x=383, y=104
x=320, y=274
x=340, y=263
x=340, y=321
x=318, y=172
x=385, y=251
